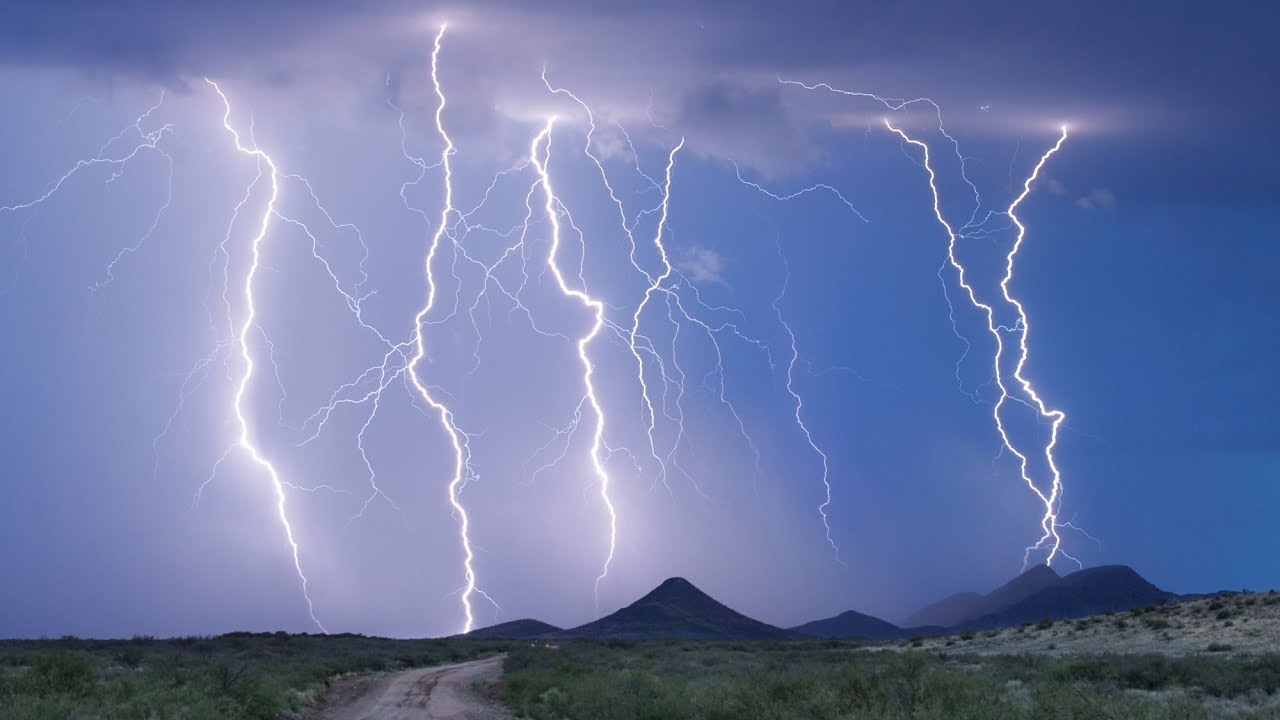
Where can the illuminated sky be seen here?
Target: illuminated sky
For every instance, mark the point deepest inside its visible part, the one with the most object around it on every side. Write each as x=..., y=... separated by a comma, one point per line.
x=1147, y=272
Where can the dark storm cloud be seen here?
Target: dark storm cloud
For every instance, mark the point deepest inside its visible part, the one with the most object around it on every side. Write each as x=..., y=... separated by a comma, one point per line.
x=1174, y=79
x=1144, y=52
x=725, y=118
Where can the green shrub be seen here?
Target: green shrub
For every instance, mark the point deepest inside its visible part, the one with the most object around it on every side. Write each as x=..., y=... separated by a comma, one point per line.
x=58, y=672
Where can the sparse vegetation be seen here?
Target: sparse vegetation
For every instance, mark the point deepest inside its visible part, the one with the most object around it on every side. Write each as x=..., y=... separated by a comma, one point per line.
x=1156, y=623
x=241, y=675
x=783, y=681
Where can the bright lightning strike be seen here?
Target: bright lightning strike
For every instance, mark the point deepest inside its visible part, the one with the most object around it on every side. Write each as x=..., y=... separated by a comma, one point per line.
x=245, y=441
x=456, y=437
x=1051, y=499
x=588, y=369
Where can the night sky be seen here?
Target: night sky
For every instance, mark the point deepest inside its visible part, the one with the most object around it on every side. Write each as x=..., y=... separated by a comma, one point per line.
x=795, y=220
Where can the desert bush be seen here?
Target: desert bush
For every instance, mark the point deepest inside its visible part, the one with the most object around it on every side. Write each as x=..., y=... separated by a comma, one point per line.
x=241, y=676
x=785, y=681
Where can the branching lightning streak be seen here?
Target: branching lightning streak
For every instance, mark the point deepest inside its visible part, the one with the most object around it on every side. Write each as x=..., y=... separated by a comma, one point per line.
x=799, y=406
x=588, y=369
x=147, y=140
x=638, y=344
x=803, y=191
x=1051, y=500
x=655, y=284
x=245, y=441
x=1050, y=521
x=461, y=449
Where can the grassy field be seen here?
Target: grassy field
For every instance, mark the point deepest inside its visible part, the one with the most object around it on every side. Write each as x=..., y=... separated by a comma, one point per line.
x=1200, y=659
x=240, y=675
x=818, y=680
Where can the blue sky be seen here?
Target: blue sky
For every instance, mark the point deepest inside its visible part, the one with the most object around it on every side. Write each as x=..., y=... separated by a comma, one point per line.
x=1146, y=274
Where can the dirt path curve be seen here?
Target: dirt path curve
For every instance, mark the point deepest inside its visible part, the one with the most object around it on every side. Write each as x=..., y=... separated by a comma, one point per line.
x=434, y=693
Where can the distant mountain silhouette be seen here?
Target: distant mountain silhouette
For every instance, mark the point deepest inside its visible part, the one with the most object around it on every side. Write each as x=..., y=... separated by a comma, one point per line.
x=851, y=624
x=1030, y=597
x=676, y=609
x=513, y=630
x=961, y=608
x=948, y=611
x=1086, y=592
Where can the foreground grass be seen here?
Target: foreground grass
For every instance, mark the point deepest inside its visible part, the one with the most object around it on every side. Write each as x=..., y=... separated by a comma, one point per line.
x=817, y=680
x=240, y=675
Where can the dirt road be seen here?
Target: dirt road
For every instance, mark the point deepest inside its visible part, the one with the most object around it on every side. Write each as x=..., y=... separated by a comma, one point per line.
x=435, y=693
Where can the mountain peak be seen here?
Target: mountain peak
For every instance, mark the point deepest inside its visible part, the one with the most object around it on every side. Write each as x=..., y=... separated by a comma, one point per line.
x=1039, y=572
x=676, y=608
x=674, y=586
x=514, y=630
x=675, y=583
x=850, y=624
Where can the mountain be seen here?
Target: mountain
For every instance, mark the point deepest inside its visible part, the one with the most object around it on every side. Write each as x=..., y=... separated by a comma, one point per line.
x=1086, y=592
x=851, y=624
x=959, y=609
x=951, y=610
x=676, y=609
x=513, y=630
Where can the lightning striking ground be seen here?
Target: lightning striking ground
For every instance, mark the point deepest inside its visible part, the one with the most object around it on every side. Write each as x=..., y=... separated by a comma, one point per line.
x=461, y=450
x=1052, y=498
x=670, y=302
x=245, y=441
x=588, y=369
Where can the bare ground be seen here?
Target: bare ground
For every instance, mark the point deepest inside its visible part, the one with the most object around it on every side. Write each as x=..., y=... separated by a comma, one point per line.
x=448, y=692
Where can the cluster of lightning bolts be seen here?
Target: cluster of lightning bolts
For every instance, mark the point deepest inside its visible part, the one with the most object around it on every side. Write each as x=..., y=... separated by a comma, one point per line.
x=986, y=226
x=670, y=300
x=1051, y=498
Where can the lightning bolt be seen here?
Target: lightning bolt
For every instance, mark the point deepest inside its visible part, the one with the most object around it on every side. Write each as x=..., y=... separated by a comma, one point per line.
x=588, y=369
x=461, y=450
x=667, y=282
x=1051, y=499
x=245, y=441
x=628, y=227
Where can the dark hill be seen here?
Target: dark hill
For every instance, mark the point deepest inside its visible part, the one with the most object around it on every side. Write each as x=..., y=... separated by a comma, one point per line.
x=950, y=610
x=513, y=630
x=1020, y=588
x=1086, y=592
x=676, y=609
x=959, y=609
x=851, y=624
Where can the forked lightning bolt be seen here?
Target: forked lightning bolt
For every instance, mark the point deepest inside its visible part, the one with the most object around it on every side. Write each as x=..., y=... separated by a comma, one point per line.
x=457, y=440
x=551, y=206
x=245, y=441
x=1053, y=497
